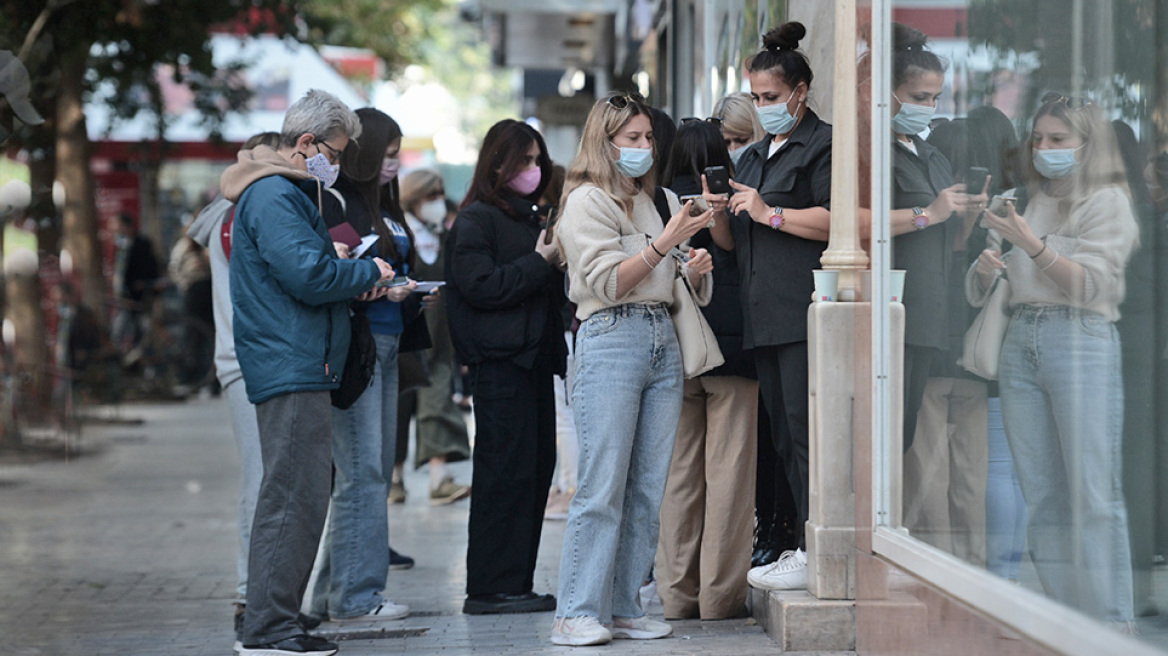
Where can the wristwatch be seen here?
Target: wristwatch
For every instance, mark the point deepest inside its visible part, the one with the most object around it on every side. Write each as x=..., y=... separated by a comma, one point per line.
x=776, y=219
x=920, y=218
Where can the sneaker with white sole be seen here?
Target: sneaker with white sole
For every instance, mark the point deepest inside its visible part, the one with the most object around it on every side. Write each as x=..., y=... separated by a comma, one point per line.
x=579, y=631
x=386, y=610
x=789, y=572
x=639, y=628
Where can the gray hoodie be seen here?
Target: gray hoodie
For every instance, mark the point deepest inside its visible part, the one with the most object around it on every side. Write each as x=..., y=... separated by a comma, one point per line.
x=205, y=230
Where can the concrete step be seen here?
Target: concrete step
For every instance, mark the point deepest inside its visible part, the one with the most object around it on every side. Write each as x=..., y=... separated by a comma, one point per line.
x=802, y=625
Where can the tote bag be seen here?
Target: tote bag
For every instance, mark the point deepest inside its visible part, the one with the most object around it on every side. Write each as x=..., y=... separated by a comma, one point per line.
x=983, y=340
x=699, y=347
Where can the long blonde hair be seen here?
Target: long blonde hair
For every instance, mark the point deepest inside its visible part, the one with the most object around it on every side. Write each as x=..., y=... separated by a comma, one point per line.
x=594, y=162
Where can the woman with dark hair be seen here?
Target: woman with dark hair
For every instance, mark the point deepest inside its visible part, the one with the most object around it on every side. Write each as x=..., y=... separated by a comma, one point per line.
x=504, y=296
x=778, y=229
x=704, y=549
x=356, y=557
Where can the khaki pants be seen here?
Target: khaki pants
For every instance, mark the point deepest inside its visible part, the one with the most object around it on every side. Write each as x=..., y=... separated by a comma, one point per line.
x=945, y=469
x=707, y=514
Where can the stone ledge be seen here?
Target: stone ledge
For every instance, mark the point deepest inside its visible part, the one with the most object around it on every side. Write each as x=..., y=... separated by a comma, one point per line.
x=800, y=623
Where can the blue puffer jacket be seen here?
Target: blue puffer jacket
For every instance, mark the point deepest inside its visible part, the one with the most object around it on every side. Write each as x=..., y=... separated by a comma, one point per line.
x=289, y=289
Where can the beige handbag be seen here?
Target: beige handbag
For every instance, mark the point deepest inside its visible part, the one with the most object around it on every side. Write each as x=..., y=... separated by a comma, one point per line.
x=699, y=347
x=983, y=340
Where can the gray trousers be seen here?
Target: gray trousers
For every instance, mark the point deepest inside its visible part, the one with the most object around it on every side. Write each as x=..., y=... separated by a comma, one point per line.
x=296, y=442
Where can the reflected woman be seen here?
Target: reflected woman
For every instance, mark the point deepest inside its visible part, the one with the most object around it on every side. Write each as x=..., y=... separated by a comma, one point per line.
x=1060, y=375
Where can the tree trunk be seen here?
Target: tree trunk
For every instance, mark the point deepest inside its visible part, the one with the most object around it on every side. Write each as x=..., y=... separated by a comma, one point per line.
x=80, y=212
x=30, y=355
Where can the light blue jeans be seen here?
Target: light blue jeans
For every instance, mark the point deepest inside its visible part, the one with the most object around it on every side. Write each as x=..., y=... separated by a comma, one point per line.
x=251, y=471
x=356, y=548
x=1005, y=507
x=627, y=401
x=1062, y=404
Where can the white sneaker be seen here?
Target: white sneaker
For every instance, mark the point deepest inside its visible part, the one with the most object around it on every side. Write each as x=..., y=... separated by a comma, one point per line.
x=789, y=572
x=386, y=611
x=579, y=631
x=639, y=628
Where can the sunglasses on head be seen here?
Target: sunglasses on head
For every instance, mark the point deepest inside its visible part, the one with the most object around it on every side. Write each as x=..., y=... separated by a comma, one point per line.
x=623, y=99
x=1072, y=102
x=709, y=119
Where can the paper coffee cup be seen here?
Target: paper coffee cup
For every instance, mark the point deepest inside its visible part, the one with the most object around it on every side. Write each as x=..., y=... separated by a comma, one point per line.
x=826, y=285
x=897, y=278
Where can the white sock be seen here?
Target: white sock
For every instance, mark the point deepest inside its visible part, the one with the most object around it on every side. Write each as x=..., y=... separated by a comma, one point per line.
x=437, y=473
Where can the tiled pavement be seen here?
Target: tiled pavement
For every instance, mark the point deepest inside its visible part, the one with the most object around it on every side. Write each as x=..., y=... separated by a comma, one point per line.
x=129, y=548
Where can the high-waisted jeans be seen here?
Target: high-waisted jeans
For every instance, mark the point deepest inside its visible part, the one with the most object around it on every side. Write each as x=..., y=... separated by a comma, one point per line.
x=1062, y=404
x=627, y=400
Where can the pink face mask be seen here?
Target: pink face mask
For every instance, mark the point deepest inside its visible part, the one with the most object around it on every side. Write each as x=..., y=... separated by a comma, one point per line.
x=526, y=182
x=389, y=168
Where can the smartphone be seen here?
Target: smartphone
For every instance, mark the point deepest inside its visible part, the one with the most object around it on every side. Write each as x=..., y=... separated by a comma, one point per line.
x=550, y=225
x=998, y=204
x=395, y=282
x=699, y=207
x=717, y=179
x=975, y=179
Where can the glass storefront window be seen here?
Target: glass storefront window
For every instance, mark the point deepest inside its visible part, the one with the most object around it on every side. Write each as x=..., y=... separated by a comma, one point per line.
x=1021, y=159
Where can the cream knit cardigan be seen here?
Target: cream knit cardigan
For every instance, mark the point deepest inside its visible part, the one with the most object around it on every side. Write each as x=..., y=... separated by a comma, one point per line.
x=595, y=236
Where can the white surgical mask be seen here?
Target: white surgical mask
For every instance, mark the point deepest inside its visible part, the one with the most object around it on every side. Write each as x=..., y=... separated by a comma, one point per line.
x=1055, y=162
x=911, y=118
x=433, y=214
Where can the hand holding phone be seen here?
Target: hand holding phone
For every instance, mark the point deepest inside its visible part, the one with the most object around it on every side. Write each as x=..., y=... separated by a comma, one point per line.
x=700, y=206
x=717, y=179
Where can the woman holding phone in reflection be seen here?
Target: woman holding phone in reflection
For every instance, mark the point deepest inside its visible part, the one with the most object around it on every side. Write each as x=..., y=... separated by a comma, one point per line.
x=628, y=386
x=1060, y=376
x=778, y=229
x=504, y=297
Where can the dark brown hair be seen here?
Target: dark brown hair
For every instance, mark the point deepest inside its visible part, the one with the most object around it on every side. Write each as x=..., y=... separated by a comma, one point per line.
x=501, y=158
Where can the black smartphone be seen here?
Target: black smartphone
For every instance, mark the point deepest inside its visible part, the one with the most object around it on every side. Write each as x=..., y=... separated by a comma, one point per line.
x=975, y=179
x=550, y=225
x=718, y=179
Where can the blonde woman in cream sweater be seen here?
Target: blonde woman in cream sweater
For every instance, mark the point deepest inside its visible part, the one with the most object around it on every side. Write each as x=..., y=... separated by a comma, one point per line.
x=1060, y=377
x=628, y=387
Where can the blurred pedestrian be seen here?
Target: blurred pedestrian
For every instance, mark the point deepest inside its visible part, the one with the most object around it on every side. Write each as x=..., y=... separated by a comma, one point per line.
x=440, y=434
x=136, y=276
x=190, y=271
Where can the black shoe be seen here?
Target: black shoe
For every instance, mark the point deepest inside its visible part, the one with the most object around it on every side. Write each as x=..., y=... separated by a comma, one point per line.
x=307, y=622
x=399, y=561
x=764, y=557
x=301, y=645
x=527, y=602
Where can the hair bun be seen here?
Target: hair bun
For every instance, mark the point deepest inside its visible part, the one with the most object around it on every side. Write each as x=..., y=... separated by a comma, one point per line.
x=784, y=37
x=907, y=38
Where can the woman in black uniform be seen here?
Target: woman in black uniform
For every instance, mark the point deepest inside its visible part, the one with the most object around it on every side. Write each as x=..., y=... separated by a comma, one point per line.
x=924, y=241
x=778, y=226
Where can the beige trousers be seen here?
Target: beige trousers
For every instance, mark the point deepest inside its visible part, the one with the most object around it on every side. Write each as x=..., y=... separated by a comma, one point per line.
x=945, y=469
x=707, y=515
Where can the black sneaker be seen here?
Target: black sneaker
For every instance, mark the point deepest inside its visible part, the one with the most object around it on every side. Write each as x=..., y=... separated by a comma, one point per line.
x=493, y=604
x=399, y=561
x=301, y=645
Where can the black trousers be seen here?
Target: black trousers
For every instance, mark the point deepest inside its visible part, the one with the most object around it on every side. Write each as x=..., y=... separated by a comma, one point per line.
x=783, y=383
x=514, y=459
x=918, y=360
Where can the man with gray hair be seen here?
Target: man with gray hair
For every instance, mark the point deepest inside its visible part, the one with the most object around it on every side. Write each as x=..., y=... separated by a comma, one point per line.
x=290, y=294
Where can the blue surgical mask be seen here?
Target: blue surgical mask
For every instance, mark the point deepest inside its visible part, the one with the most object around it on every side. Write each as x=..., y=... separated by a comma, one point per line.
x=634, y=162
x=776, y=118
x=1055, y=162
x=736, y=156
x=911, y=119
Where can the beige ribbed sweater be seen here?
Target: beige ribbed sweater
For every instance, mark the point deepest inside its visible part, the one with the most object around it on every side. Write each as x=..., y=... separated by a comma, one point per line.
x=596, y=236
x=1099, y=234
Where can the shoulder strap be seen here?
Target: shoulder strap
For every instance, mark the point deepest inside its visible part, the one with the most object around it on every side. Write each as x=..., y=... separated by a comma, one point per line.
x=661, y=202
x=225, y=232
x=339, y=197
